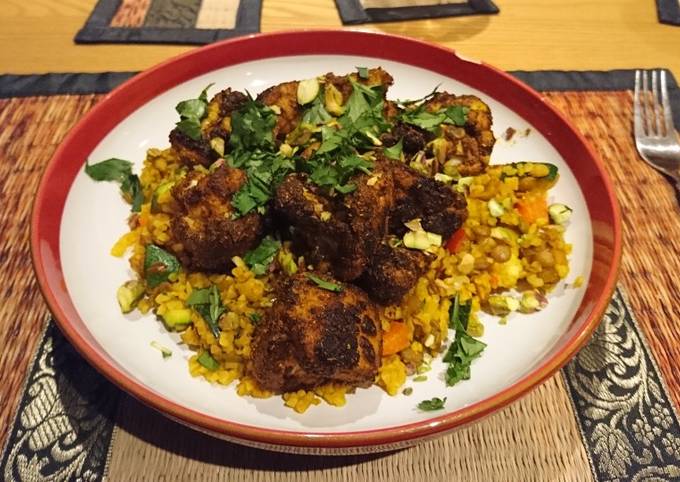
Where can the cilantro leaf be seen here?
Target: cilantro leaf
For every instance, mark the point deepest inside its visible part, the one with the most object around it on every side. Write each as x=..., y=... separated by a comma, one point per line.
x=464, y=348
x=252, y=127
x=132, y=191
x=362, y=72
x=265, y=172
x=416, y=114
x=109, y=170
x=345, y=188
x=408, y=102
x=191, y=109
x=322, y=283
x=203, y=96
x=190, y=127
x=395, y=151
x=191, y=112
x=261, y=257
x=459, y=315
x=456, y=114
x=120, y=171
x=428, y=121
x=433, y=404
x=332, y=139
x=316, y=114
x=158, y=265
x=255, y=317
x=335, y=172
x=207, y=302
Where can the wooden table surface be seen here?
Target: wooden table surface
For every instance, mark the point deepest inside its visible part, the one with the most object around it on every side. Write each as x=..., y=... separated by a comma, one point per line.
x=37, y=35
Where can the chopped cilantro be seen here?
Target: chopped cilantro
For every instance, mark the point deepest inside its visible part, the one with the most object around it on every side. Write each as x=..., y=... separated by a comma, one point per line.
x=405, y=103
x=254, y=150
x=434, y=404
x=255, y=317
x=158, y=265
x=316, y=114
x=206, y=360
x=109, y=170
x=459, y=315
x=265, y=172
x=120, y=171
x=415, y=114
x=464, y=348
x=208, y=304
x=457, y=114
x=132, y=192
x=362, y=72
x=395, y=151
x=335, y=172
x=252, y=127
x=322, y=283
x=190, y=114
x=259, y=258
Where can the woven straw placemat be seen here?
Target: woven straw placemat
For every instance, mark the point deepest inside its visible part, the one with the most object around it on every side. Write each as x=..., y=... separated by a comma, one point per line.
x=609, y=415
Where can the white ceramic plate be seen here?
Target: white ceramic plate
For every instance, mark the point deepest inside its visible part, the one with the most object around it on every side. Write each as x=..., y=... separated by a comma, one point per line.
x=94, y=217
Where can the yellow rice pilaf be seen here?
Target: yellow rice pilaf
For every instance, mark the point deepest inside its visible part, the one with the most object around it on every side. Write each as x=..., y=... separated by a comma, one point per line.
x=498, y=253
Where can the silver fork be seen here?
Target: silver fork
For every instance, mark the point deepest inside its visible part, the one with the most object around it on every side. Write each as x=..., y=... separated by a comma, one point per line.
x=655, y=135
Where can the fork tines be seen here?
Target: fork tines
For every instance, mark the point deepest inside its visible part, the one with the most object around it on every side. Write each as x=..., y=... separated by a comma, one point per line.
x=652, y=114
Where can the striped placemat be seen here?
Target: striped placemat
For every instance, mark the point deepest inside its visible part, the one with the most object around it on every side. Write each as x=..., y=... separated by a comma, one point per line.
x=610, y=414
x=170, y=21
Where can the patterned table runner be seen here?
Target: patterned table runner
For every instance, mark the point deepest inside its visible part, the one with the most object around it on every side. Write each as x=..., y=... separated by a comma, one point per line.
x=170, y=21
x=608, y=415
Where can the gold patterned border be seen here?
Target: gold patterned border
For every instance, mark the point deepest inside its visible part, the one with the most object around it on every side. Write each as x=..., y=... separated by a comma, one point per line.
x=62, y=429
x=629, y=426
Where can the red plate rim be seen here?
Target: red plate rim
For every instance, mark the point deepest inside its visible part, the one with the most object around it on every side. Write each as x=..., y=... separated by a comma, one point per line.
x=88, y=132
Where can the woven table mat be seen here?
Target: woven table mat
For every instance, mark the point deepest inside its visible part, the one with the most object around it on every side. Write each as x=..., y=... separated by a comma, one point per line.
x=170, y=21
x=668, y=11
x=610, y=414
x=369, y=11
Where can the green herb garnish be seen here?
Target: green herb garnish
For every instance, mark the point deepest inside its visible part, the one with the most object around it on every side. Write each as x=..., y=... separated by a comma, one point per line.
x=208, y=304
x=260, y=258
x=459, y=315
x=434, y=404
x=316, y=114
x=464, y=348
x=430, y=121
x=265, y=172
x=255, y=317
x=253, y=150
x=165, y=352
x=120, y=171
x=395, y=151
x=206, y=360
x=415, y=114
x=338, y=157
x=252, y=127
x=158, y=265
x=191, y=112
x=322, y=283
x=362, y=72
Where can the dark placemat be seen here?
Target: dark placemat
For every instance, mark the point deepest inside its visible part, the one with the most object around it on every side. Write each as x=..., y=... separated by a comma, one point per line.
x=669, y=11
x=170, y=21
x=618, y=396
x=355, y=11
